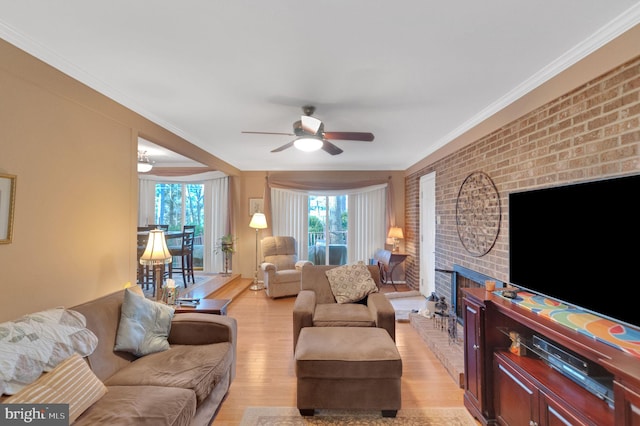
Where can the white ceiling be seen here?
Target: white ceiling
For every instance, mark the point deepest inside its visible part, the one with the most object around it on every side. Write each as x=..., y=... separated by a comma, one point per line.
x=415, y=73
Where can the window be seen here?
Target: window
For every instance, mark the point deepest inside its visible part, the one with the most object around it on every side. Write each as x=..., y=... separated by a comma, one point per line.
x=178, y=204
x=353, y=222
x=328, y=222
x=200, y=199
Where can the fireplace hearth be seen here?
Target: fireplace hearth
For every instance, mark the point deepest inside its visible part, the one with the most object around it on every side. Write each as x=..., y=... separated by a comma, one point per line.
x=444, y=337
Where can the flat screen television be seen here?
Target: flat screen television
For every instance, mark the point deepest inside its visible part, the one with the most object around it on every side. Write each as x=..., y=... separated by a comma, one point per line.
x=580, y=244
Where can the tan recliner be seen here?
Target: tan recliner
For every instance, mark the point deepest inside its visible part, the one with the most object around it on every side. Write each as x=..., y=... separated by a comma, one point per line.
x=281, y=268
x=316, y=305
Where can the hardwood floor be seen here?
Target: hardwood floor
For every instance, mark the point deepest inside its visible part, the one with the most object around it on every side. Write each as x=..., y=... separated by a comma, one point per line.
x=265, y=365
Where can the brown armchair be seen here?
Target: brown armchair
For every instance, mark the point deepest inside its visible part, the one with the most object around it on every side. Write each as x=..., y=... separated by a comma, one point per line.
x=281, y=268
x=315, y=305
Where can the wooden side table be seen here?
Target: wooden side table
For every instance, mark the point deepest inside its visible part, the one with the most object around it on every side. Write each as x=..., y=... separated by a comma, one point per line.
x=386, y=272
x=206, y=306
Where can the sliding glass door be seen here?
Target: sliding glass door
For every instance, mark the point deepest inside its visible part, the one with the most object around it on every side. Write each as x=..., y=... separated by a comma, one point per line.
x=328, y=229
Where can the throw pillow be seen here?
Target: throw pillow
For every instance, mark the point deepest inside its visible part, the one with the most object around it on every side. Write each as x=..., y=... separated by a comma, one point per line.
x=144, y=325
x=351, y=283
x=38, y=342
x=71, y=382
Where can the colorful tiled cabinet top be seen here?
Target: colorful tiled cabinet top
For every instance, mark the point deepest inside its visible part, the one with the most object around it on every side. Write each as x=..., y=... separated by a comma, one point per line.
x=618, y=336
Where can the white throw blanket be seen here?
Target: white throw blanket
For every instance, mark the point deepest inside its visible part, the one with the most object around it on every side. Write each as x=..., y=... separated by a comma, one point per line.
x=405, y=302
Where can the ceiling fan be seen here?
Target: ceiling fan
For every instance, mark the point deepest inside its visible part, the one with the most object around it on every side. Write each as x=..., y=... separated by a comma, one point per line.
x=310, y=135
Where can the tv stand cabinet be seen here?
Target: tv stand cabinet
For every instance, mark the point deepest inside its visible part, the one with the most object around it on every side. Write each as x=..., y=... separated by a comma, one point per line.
x=508, y=389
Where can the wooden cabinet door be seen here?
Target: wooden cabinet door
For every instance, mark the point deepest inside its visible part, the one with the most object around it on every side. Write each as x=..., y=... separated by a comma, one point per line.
x=473, y=358
x=554, y=414
x=515, y=396
x=627, y=405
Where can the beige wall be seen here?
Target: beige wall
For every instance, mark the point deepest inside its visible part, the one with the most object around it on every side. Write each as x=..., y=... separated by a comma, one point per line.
x=75, y=192
x=74, y=154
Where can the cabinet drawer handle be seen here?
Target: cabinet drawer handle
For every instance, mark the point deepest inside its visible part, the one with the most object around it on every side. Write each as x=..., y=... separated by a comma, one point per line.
x=532, y=423
x=476, y=347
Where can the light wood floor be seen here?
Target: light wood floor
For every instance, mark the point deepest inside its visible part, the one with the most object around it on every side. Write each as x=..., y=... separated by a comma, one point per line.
x=265, y=365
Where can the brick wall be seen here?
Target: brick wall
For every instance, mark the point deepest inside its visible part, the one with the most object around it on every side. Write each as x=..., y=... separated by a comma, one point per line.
x=590, y=133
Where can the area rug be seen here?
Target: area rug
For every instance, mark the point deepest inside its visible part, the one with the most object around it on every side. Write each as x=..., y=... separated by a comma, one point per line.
x=406, y=302
x=289, y=416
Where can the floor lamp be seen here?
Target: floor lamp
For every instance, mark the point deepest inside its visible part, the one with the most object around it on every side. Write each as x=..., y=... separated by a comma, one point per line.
x=156, y=254
x=258, y=222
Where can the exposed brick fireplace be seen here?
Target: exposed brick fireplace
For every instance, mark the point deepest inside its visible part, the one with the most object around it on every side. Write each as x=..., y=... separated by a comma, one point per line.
x=462, y=277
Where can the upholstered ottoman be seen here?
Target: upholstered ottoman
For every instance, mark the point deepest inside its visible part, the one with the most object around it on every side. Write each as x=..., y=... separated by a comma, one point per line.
x=347, y=368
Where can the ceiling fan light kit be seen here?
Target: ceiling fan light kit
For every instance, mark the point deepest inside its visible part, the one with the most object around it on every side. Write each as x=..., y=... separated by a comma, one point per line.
x=144, y=164
x=308, y=143
x=312, y=137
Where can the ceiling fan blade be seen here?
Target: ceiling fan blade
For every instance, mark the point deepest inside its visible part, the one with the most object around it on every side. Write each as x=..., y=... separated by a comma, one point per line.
x=310, y=125
x=331, y=148
x=269, y=133
x=349, y=136
x=283, y=147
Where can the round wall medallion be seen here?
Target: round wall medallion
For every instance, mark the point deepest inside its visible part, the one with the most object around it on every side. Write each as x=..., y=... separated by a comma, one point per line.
x=478, y=213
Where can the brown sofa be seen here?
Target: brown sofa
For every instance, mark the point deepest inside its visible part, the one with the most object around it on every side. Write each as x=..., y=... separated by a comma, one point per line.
x=316, y=306
x=183, y=385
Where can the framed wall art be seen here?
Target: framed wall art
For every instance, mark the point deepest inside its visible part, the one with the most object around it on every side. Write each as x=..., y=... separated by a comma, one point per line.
x=478, y=214
x=256, y=205
x=7, y=205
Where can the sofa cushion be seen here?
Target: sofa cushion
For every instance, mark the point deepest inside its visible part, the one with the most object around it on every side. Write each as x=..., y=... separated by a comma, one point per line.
x=336, y=315
x=141, y=406
x=71, y=382
x=144, y=325
x=196, y=367
x=38, y=342
x=351, y=283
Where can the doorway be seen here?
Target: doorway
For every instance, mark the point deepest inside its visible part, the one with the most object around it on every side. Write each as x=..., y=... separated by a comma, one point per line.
x=427, y=233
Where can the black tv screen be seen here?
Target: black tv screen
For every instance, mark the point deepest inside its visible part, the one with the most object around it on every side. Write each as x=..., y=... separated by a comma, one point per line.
x=579, y=244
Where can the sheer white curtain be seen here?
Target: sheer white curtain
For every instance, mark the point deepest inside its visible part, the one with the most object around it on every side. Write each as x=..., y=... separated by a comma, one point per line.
x=290, y=217
x=146, y=200
x=216, y=217
x=216, y=205
x=366, y=222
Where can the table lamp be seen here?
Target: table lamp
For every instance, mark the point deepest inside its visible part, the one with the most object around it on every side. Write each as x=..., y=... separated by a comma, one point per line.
x=156, y=254
x=258, y=222
x=395, y=232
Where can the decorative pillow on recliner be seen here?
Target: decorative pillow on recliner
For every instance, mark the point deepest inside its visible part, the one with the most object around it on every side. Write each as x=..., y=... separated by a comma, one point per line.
x=38, y=342
x=351, y=283
x=144, y=325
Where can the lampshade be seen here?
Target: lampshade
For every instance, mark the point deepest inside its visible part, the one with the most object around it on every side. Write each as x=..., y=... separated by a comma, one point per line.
x=308, y=143
x=258, y=221
x=144, y=164
x=156, y=252
x=395, y=232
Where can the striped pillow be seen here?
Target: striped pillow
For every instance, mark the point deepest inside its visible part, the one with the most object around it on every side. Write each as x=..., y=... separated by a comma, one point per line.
x=71, y=382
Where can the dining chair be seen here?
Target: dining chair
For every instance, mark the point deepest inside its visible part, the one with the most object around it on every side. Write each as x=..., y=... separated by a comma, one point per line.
x=185, y=253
